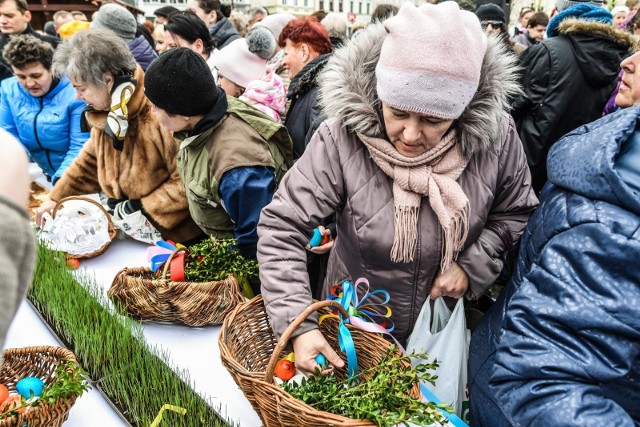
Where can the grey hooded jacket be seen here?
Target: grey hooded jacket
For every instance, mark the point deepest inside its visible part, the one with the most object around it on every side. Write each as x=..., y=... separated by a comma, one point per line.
x=337, y=175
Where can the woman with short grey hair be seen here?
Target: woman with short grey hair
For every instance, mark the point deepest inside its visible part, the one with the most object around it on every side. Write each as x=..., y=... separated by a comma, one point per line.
x=130, y=156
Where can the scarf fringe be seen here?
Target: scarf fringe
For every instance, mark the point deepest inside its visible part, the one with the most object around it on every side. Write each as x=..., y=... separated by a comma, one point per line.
x=405, y=233
x=454, y=237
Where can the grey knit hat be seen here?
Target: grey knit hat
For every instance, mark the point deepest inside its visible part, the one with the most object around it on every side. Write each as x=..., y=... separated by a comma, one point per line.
x=562, y=5
x=117, y=19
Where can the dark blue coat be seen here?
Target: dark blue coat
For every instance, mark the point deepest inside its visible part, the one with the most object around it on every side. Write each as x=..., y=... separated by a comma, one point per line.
x=142, y=52
x=561, y=346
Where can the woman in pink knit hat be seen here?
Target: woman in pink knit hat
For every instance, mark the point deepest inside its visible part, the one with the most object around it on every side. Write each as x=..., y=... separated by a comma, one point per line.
x=420, y=164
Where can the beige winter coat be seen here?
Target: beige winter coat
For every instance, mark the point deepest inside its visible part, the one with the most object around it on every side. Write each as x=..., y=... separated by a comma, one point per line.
x=337, y=174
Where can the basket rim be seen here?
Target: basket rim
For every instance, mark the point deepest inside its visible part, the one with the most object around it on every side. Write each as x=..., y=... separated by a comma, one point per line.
x=35, y=412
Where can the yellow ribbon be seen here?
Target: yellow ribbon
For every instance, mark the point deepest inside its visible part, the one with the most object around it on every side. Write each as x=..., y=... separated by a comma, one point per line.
x=167, y=407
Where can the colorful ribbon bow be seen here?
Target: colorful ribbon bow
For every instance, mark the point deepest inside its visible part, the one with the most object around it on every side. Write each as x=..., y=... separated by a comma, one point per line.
x=363, y=314
x=157, y=255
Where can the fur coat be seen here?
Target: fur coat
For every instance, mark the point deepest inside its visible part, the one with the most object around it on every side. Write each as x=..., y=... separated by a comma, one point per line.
x=144, y=170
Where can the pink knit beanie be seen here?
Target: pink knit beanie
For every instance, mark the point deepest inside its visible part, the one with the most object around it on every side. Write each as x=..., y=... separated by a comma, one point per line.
x=237, y=64
x=431, y=59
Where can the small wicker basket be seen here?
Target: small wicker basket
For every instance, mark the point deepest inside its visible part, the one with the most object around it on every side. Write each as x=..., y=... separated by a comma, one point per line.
x=40, y=362
x=111, y=228
x=147, y=298
x=250, y=352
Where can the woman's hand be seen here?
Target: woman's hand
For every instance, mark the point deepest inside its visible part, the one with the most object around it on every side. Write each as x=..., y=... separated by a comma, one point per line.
x=307, y=346
x=45, y=207
x=452, y=283
x=322, y=249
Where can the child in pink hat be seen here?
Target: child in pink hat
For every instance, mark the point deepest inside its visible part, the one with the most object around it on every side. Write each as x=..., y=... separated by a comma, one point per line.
x=267, y=95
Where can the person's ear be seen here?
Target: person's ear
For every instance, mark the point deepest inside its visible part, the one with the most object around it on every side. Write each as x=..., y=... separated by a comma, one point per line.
x=305, y=51
x=27, y=16
x=108, y=81
x=199, y=45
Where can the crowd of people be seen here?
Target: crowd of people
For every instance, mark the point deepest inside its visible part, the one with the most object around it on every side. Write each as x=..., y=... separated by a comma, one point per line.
x=439, y=151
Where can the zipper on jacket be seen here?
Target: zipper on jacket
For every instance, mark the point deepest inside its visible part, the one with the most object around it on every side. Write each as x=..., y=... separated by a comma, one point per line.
x=35, y=132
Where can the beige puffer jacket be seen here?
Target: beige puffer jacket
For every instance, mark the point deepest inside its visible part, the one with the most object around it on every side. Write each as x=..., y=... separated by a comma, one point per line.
x=337, y=175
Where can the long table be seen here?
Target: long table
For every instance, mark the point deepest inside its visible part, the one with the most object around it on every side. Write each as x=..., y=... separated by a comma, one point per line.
x=192, y=349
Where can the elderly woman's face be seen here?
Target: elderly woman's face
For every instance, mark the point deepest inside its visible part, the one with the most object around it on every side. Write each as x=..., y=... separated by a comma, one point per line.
x=34, y=78
x=97, y=97
x=413, y=134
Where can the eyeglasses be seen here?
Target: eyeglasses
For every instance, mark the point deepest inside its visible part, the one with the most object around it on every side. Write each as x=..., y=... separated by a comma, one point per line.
x=493, y=24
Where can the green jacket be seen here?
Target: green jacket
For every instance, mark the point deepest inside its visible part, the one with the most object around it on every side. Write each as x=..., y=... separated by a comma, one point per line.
x=204, y=158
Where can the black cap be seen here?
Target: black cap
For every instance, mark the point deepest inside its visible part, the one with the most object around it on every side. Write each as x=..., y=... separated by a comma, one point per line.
x=165, y=11
x=491, y=12
x=180, y=82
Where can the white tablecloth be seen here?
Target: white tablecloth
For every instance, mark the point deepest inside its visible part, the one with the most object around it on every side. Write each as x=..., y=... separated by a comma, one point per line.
x=192, y=349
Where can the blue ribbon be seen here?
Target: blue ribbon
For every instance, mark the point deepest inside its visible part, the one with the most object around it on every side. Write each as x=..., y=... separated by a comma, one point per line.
x=453, y=418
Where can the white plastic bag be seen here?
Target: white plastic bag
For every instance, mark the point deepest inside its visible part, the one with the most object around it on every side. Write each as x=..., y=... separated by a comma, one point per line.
x=138, y=227
x=447, y=340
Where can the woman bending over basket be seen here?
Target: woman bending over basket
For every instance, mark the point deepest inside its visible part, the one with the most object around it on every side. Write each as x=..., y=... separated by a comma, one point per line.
x=130, y=156
x=421, y=165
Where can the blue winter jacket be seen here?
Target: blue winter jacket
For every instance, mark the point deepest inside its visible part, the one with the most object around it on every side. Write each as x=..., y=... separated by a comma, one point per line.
x=48, y=126
x=561, y=345
x=142, y=51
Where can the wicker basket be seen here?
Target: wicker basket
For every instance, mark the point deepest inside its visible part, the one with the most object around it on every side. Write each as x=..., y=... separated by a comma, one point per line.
x=148, y=298
x=111, y=228
x=250, y=352
x=40, y=362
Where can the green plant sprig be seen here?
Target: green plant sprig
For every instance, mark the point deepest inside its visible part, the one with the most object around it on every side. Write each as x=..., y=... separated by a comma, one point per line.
x=379, y=394
x=69, y=381
x=216, y=260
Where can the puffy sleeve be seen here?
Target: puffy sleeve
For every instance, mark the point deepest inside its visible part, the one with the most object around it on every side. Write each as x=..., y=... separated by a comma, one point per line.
x=77, y=138
x=311, y=191
x=513, y=203
x=572, y=326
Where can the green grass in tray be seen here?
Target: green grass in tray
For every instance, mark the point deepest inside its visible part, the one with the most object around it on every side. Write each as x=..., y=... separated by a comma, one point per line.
x=135, y=377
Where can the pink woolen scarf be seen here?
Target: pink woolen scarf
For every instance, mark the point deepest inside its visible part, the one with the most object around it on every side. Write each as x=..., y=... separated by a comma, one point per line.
x=433, y=174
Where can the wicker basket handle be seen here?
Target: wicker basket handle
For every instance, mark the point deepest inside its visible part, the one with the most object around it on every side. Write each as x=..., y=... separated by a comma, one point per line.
x=284, y=339
x=167, y=263
x=84, y=199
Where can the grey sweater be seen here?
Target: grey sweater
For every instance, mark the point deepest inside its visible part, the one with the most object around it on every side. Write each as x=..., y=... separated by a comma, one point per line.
x=17, y=256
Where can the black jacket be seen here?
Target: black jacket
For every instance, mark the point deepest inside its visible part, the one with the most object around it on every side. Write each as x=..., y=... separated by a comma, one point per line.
x=5, y=68
x=567, y=81
x=223, y=32
x=304, y=115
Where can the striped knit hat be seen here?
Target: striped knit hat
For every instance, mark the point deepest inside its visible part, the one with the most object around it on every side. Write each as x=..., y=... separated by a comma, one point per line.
x=431, y=60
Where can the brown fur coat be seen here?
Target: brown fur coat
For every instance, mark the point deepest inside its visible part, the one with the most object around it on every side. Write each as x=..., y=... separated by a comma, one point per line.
x=144, y=170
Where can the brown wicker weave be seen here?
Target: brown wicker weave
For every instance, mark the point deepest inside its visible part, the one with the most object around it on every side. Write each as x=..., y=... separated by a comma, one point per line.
x=249, y=351
x=148, y=298
x=40, y=362
x=112, y=230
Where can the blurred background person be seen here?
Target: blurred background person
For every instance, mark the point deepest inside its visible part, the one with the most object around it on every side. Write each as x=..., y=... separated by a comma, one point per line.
x=383, y=11
x=494, y=22
x=523, y=20
x=158, y=38
x=60, y=18
x=79, y=16
x=256, y=14
x=15, y=19
x=619, y=13
x=240, y=22
x=162, y=13
x=336, y=25
x=536, y=30
x=185, y=29
x=40, y=110
x=120, y=21
x=210, y=12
